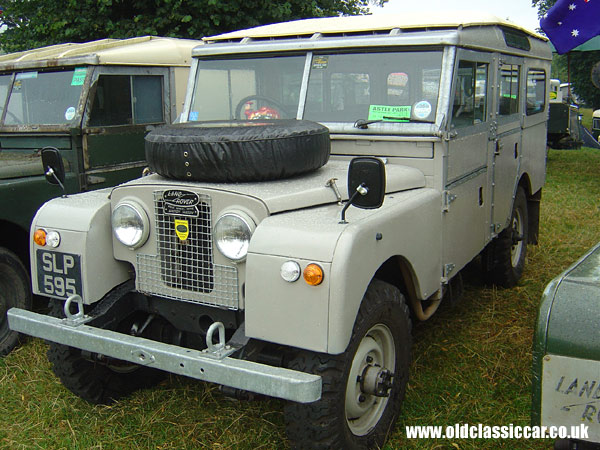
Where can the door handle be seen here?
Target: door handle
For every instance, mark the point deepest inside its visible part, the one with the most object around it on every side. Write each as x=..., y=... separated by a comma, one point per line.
x=499, y=146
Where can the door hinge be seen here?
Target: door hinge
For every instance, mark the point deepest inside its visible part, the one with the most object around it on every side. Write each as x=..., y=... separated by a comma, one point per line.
x=448, y=269
x=449, y=135
x=448, y=198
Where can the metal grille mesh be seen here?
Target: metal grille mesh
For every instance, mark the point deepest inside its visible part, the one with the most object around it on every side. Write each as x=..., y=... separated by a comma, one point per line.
x=185, y=270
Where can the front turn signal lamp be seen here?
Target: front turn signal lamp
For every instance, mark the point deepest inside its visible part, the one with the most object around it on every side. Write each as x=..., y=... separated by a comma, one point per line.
x=39, y=237
x=313, y=274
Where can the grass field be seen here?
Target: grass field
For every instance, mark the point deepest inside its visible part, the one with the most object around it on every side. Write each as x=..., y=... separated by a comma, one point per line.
x=471, y=361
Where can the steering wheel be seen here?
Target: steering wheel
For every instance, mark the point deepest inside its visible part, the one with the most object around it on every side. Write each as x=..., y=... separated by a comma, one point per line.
x=238, y=109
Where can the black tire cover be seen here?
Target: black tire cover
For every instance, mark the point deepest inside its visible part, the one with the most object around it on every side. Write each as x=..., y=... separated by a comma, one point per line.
x=233, y=151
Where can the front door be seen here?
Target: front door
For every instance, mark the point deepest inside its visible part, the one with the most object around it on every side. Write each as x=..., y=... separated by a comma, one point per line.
x=125, y=101
x=466, y=195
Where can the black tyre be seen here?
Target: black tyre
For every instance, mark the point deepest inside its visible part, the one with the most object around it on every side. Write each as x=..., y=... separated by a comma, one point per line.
x=349, y=415
x=237, y=151
x=504, y=258
x=15, y=291
x=95, y=382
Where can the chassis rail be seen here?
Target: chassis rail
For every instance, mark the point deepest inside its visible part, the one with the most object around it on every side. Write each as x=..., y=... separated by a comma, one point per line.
x=237, y=373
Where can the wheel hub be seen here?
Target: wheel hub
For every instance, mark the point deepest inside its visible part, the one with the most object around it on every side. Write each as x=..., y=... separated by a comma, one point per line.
x=376, y=380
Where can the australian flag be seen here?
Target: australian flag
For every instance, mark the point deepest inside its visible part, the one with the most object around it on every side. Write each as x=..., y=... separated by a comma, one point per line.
x=570, y=23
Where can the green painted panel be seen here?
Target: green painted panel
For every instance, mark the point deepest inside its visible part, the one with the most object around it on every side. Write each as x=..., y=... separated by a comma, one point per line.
x=568, y=318
x=20, y=198
x=116, y=147
x=35, y=142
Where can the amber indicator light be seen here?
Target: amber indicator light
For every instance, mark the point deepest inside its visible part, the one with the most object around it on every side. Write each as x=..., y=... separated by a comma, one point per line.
x=313, y=274
x=39, y=237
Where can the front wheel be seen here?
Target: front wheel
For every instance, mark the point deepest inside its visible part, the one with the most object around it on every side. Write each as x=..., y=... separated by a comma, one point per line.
x=363, y=388
x=15, y=291
x=504, y=258
x=92, y=379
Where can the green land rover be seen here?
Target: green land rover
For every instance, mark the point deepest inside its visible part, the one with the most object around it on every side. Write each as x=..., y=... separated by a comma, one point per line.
x=92, y=102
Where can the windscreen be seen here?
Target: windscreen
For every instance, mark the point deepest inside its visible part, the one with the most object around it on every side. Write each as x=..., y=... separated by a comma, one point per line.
x=387, y=87
x=44, y=98
x=341, y=87
x=252, y=88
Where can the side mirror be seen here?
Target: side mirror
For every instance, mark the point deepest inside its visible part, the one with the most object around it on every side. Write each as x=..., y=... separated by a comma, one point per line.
x=370, y=173
x=366, y=184
x=54, y=169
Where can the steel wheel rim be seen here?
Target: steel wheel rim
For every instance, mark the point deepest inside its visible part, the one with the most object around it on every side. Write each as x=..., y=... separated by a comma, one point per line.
x=517, y=230
x=378, y=344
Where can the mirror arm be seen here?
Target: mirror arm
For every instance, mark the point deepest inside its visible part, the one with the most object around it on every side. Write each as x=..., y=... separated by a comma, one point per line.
x=362, y=189
x=50, y=172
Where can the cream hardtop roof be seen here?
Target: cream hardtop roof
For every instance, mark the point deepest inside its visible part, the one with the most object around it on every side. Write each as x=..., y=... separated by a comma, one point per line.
x=139, y=51
x=365, y=24
x=596, y=113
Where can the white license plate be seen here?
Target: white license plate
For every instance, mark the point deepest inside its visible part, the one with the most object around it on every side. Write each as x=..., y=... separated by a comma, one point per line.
x=58, y=274
x=571, y=393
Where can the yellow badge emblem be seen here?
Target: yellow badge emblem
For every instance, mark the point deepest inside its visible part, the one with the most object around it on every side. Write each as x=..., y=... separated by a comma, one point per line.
x=182, y=229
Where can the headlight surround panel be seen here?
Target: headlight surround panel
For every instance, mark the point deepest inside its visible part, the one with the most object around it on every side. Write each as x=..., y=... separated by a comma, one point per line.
x=130, y=224
x=232, y=233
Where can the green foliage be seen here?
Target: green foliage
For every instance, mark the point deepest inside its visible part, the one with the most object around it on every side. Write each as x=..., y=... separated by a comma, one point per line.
x=37, y=23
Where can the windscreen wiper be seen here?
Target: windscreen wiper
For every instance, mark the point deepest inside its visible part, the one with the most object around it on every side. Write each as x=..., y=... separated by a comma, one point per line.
x=364, y=124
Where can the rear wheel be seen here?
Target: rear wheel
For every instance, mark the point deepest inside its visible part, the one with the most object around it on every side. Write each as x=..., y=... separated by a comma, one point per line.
x=363, y=388
x=15, y=291
x=504, y=258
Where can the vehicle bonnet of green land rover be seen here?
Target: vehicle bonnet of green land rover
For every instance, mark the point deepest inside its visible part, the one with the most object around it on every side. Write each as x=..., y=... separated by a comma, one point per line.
x=566, y=350
x=326, y=176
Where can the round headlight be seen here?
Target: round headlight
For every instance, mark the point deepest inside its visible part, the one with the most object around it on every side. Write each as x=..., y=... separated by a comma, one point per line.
x=130, y=224
x=232, y=235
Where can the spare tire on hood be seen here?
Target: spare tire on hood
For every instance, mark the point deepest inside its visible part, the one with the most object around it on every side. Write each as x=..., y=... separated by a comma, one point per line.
x=233, y=151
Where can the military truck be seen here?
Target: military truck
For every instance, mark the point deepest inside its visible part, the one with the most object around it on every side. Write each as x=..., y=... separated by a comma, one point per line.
x=596, y=124
x=329, y=176
x=566, y=354
x=92, y=102
x=564, y=121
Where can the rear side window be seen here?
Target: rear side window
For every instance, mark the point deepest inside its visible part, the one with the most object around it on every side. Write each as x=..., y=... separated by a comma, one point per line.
x=509, y=90
x=127, y=100
x=536, y=91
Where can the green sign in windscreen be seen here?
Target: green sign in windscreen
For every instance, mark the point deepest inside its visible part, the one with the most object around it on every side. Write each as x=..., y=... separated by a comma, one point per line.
x=389, y=113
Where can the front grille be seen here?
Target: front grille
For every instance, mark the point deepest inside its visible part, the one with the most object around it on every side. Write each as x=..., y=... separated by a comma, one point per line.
x=184, y=269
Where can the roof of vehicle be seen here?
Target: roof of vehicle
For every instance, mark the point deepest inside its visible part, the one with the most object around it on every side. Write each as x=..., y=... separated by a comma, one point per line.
x=596, y=113
x=145, y=50
x=361, y=24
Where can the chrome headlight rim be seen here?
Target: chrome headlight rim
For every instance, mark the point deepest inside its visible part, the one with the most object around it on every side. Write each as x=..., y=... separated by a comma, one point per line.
x=141, y=214
x=247, y=222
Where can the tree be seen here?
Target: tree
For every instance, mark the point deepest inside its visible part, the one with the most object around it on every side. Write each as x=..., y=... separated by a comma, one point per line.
x=37, y=23
x=580, y=66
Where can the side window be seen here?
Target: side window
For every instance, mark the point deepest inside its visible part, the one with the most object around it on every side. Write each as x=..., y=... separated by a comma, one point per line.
x=536, y=91
x=147, y=99
x=114, y=103
x=470, y=94
x=509, y=90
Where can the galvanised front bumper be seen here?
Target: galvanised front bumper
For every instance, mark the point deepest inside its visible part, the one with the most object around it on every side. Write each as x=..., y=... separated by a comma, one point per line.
x=237, y=373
